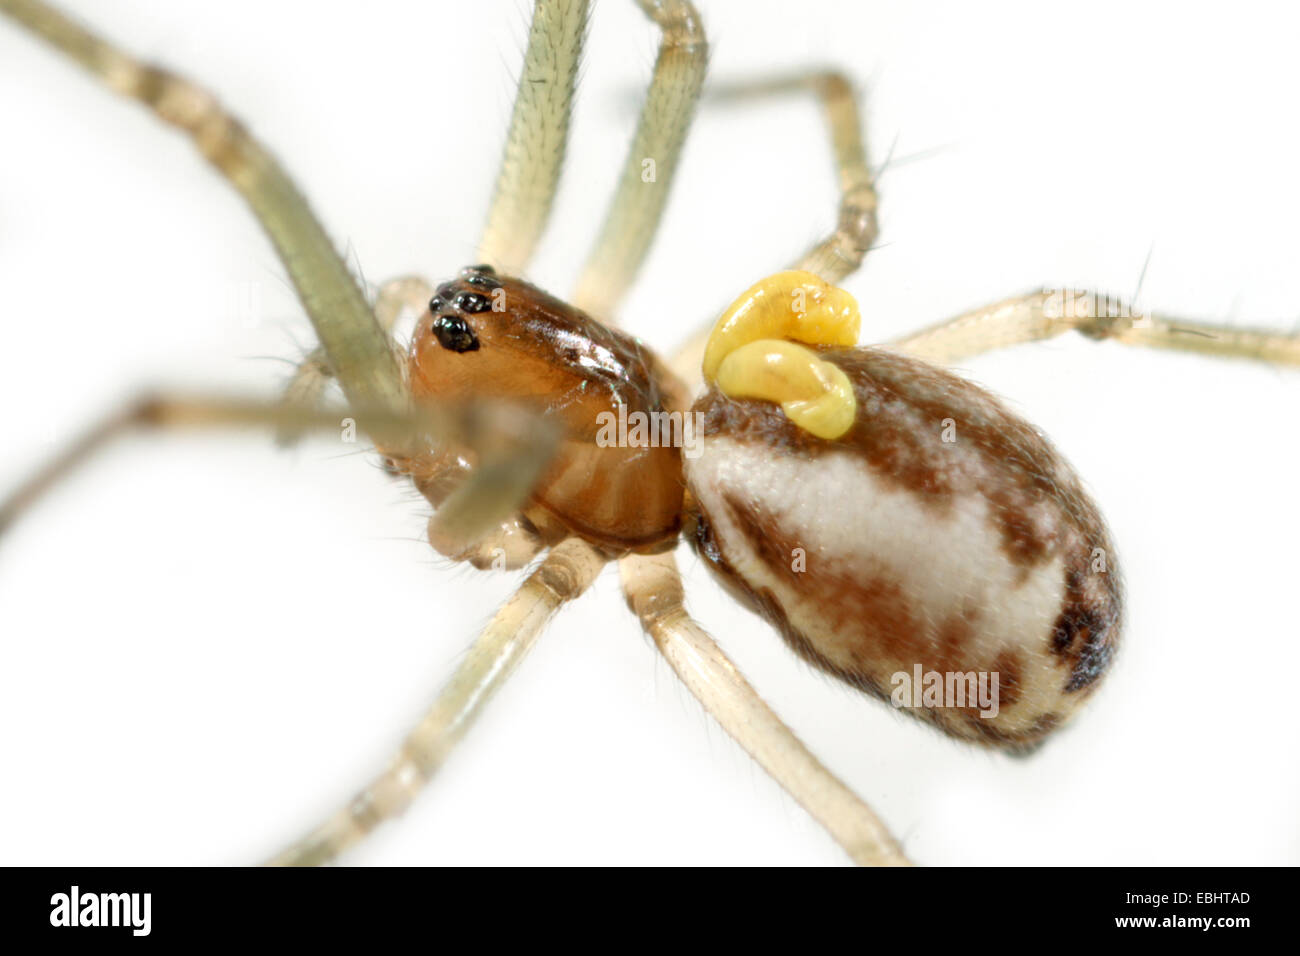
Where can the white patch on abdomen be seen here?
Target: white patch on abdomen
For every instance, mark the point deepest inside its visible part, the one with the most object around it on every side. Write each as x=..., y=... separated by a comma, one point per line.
x=947, y=560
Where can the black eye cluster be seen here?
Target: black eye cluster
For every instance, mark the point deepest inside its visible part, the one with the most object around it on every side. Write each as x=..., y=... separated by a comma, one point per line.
x=453, y=302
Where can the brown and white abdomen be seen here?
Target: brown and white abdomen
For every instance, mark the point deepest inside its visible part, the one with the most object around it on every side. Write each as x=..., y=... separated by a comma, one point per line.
x=940, y=535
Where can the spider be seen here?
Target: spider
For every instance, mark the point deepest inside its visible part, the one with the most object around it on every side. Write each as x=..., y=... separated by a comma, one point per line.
x=472, y=257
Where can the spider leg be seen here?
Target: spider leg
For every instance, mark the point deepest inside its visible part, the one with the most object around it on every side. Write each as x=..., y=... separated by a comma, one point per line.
x=643, y=186
x=564, y=574
x=313, y=374
x=506, y=547
x=841, y=253
x=357, y=347
x=653, y=588
x=513, y=447
x=539, y=130
x=653, y=585
x=1046, y=314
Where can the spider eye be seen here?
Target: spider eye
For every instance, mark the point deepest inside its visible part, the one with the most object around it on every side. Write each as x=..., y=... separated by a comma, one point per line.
x=472, y=302
x=454, y=333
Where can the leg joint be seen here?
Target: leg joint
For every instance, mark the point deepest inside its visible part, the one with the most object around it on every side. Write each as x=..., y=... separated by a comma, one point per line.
x=683, y=31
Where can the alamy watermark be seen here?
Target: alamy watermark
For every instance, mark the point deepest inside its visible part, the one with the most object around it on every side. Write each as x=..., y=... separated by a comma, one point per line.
x=76, y=908
x=934, y=690
x=1079, y=304
x=624, y=429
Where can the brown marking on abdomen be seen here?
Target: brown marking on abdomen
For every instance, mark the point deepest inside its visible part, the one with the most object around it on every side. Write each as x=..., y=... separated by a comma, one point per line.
x=1037, y=509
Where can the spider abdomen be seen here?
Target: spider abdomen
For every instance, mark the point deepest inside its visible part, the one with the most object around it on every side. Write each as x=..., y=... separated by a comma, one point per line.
x=940, y=553
x=500, y=337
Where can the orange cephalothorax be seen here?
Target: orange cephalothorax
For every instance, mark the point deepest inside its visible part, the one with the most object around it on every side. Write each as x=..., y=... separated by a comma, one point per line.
x=494, y=336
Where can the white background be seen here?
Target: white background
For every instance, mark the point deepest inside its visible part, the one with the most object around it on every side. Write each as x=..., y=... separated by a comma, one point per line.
x=205, y=644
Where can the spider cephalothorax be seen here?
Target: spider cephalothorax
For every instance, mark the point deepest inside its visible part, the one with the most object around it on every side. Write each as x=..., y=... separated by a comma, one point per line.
x=500, y=336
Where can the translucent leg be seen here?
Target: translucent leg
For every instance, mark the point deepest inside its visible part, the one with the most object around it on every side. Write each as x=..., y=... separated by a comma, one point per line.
x=1044, y=315
x=565, y=573
x=654, y=593
x=506, y=547
x=539, y=131
x=512, y=445
x=313, y=374
x=358, y=349
x=509, y=546
x=841, y=253
x=643, y=186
